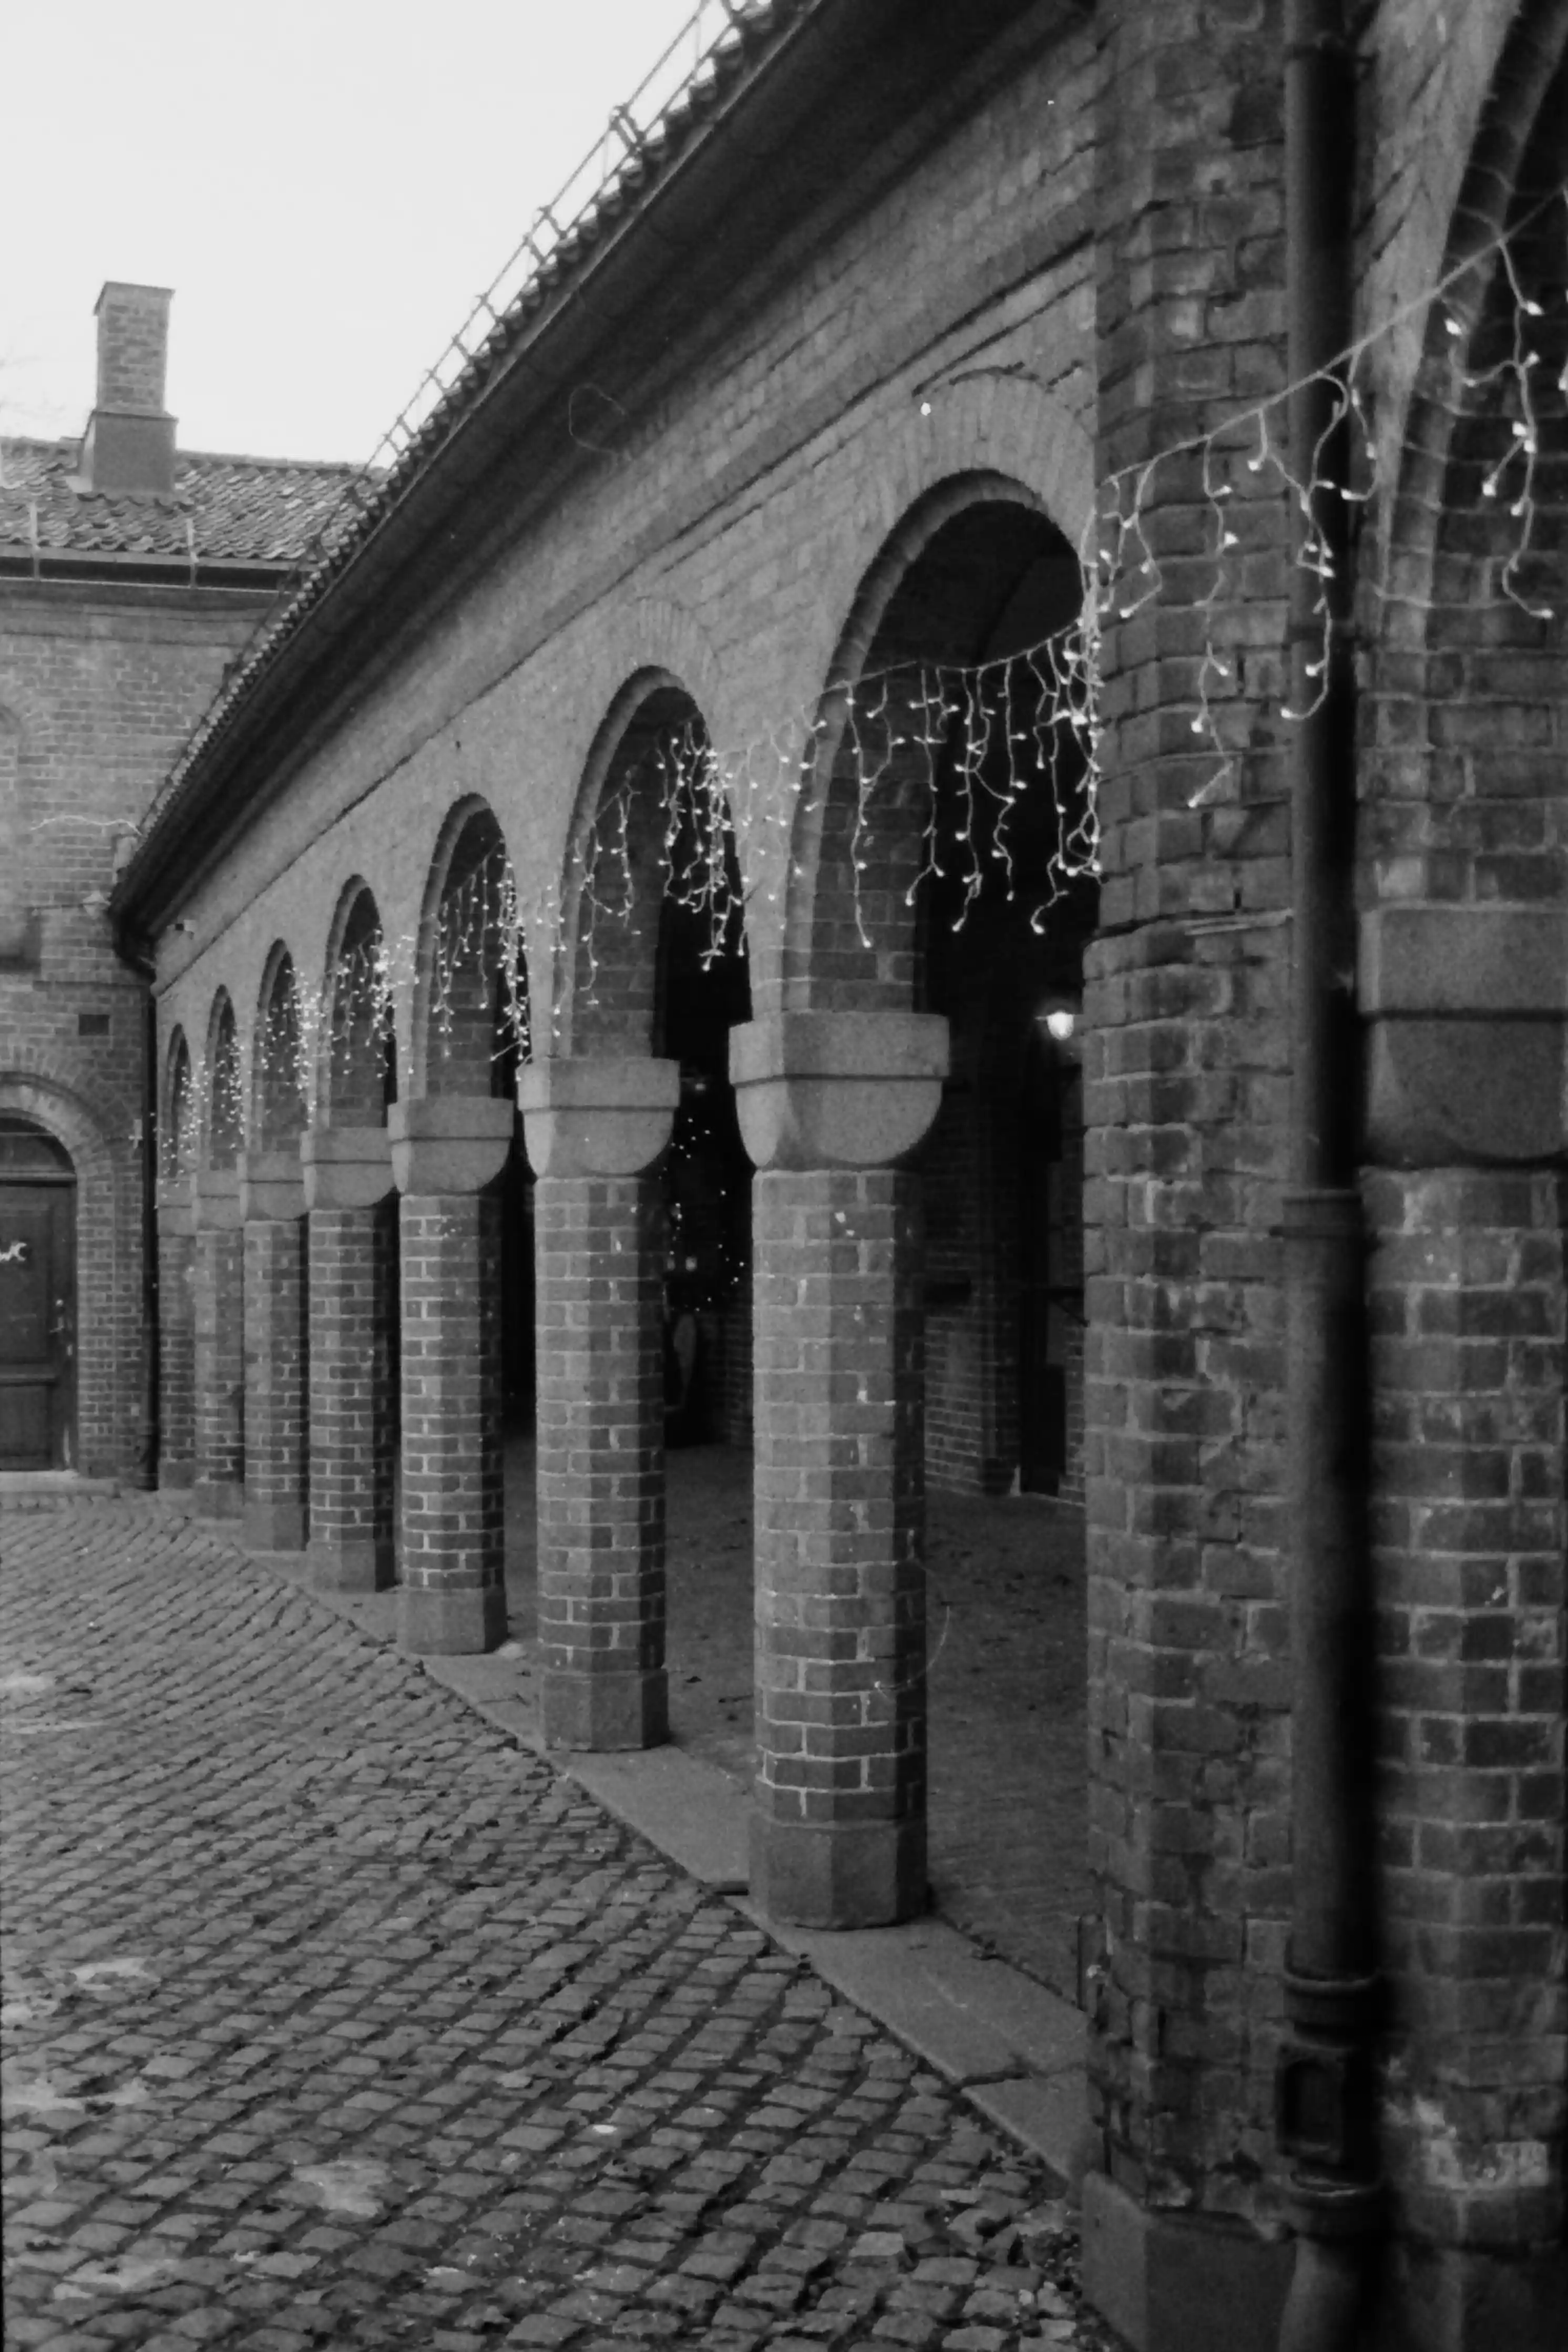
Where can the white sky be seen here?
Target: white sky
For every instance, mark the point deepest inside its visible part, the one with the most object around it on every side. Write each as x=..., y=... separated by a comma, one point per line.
x=325, y=184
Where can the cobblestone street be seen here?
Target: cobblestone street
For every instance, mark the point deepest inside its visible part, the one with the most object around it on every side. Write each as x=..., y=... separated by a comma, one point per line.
x=331, y=2018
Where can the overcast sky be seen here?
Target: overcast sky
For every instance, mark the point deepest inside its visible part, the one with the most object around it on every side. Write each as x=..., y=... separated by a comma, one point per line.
x=325, y=184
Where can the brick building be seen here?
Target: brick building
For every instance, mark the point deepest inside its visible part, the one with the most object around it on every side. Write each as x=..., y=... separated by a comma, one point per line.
x=131, y=573
x=1146, y=1034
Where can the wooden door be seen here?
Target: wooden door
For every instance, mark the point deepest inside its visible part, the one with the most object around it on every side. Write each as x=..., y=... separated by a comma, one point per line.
x=38, y=1324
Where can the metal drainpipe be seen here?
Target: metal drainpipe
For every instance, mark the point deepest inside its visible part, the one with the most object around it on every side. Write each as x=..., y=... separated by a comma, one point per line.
x=1326, y=2106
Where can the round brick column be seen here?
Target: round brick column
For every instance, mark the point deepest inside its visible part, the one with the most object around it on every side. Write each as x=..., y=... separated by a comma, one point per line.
x=176, y=1339
x=830, y=1104
x=218, y=1290
x=593, y=1128
x=351, y=1418
x=445, y=1151
x=276, y=1496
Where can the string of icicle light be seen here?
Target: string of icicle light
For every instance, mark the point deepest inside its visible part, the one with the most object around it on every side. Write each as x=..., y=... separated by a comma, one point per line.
x=1246, y=458
x=966, y=746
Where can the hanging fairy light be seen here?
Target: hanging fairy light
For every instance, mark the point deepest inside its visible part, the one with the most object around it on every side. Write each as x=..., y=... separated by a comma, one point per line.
x=961, y=753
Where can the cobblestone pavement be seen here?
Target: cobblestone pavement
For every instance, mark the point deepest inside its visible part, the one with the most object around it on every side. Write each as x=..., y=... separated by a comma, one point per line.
x=1007, y=1630
x=332, y=2018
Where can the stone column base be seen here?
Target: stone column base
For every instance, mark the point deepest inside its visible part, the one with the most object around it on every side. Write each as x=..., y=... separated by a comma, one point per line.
x=814, y=1874
x=275, y=1527
x=1161, y=2279
x=458, y=1622
x=604, y=1711
x=1173, y=2282
x=364, y=1566
x=180, y=1475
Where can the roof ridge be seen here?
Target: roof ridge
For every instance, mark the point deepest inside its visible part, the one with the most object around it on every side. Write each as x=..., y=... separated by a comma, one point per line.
x=344, y=465
x=70, y=444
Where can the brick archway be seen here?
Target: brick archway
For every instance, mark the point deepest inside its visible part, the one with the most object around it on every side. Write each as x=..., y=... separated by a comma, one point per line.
x=861, y=830
x=634, y=824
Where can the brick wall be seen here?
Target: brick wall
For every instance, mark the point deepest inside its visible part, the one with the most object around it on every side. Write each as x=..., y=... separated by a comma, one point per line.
x=955, y=319
x=97, y=688
x=1185, y=1101
x=1470, y=1362
x=1465, y=822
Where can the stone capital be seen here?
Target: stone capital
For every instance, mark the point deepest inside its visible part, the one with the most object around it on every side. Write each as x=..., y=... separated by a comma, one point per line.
x=449, y=1143
x=215, y=1201
x=597, y=1118
x=346, y=1166
x=271, y=1188
x=1468, y=1046
x=837, y=1089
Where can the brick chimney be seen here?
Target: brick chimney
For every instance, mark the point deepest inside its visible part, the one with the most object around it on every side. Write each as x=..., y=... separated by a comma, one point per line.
x=130, y=443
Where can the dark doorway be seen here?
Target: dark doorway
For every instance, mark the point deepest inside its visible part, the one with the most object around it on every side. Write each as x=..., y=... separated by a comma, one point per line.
x=37, y=1299
x=703, y=990
x=1050, y=1233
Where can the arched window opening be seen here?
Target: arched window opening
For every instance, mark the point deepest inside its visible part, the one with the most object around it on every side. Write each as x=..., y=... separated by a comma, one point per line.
x=962, y=862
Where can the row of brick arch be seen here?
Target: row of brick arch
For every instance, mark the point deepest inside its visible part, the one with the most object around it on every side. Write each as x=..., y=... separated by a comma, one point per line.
x=448, y=1009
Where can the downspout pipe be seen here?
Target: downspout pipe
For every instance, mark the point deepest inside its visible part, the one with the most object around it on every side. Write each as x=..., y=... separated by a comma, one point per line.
x=1326, y=2113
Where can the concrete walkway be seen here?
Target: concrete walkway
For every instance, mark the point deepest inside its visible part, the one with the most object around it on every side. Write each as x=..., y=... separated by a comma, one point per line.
x=333, y=2016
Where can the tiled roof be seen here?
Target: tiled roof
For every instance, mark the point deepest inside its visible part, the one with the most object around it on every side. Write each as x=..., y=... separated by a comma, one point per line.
x=254, y=511
x=753, y=29
x=407, y=454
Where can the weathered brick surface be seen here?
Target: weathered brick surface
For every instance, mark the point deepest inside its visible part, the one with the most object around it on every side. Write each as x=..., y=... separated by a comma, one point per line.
x=352, y=1407
x=1470, y=1367
x=218, y=1289
x=840, y=1584
x=601, y=1424
x=452, y=1550
x=276, y=1493
x=97, y=688
x=1186, y=1099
